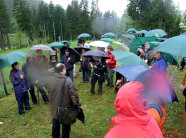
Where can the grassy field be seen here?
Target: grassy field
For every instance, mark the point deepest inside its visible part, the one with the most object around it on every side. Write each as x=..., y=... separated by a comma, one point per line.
x=36, y=123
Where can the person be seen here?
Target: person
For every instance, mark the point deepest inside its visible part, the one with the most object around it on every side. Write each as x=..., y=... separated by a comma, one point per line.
x=40, y=62
x=21, y=87
x=55, y=50
x=81, y=42
x=52, y=62
x=146, y=54
x=85, y=67
x=68, y=60
x=99, y=69
x=28, y=69
x=133, y=119
x=111, y=64
x=183, y=63
x=54, y=84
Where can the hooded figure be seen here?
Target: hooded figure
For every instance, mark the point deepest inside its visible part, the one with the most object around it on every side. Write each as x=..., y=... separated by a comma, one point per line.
x=133, y=119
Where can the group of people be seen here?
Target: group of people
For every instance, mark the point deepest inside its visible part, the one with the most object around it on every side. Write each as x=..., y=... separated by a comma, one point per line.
x=135, y=112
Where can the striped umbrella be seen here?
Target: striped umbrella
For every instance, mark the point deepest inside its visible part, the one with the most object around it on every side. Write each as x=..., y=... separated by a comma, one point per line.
x=41, y=47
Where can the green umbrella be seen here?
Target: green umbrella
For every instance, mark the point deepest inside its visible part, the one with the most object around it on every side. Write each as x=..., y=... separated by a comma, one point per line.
x=112, y=35
x=68, y=43
x=57, y=45
x=84, y=35
x=109, y=40
x=128, y=58
x=140, y=41
x=156, y=32
x=130, y=36
x=10, y=58
x=118, y=44
x=175, y=46
x=131, y=30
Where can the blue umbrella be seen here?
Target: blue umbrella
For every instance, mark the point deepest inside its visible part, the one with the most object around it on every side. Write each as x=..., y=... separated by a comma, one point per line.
x=57, y=45
x=156, y=32
x=109, y=40
x=131, y=30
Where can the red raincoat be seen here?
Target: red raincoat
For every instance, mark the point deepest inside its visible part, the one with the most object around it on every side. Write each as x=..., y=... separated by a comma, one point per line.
x=133, y=119
x=111, y=63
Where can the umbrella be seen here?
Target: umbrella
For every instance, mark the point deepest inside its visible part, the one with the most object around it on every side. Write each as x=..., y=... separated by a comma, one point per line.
x=128, y=58
x=184, y=33
x=130, y=36
x=41, y=47
x=57, y=45
x=81, y=115
x=121, y=45
x=72, y=52
x=84, y=35
x=112, y=35
x=68, y=43
x=96, y=53
x=99, y=44
x=153, y=44
x=131, y=30
x=10, y=58
x=109, y=40
x=153, y=81
x=175, y=46
x=157, y=33
x=142, y=32
x=79, y=48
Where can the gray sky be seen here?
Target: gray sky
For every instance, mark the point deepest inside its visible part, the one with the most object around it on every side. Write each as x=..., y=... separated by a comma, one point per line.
x=113, y=5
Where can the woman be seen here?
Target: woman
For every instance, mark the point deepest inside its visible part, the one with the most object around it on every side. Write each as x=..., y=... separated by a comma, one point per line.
x=52, y=62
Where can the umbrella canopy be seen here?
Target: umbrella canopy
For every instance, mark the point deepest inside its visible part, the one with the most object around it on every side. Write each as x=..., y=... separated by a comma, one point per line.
x=128, y=58
x=140, y=41
x=72, y=52
x=131, y=30
x=130, y=36
x=112, y=35
x=157, y=33
x=109, y=40
x=56, y=44
x=10, y=58
x=96, y=53
x=79, y=49
x=99, y=44
x=121, y=45
x=41, y=47
x=142, y=32
x=84, y=35
x=68, y=43
x=155, y=84
x=175, y=46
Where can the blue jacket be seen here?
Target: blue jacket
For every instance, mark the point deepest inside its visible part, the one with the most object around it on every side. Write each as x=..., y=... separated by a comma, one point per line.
x=160, y=65
x=20, y=86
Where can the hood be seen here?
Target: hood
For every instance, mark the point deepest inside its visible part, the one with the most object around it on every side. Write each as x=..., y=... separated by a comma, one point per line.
x=131, y=106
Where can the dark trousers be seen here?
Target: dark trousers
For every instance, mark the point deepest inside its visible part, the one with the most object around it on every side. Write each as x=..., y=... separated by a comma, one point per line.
x=70, y=74
x=22, y=98
x=32, y=93
x=43, y=94
x=56, y=129
x=100, y=80
x=85, y=74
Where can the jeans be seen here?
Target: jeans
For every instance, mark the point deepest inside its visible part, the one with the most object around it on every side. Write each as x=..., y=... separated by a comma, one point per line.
x=32, y=93
x=70, y=74
x=22, y=98
x=43, y=94
x=85, y=74
x=56, y=129
x=100, y=80
x=109, y=77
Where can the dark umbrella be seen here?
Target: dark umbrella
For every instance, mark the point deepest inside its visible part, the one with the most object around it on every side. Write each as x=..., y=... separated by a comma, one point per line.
x=79, y=49
x=81, y=115
x=72, y=52
x=96, y=53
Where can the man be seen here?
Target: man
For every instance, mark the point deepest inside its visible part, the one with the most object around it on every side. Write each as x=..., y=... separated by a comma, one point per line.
x=111, y=63
x=99, y=69
x=69, y=61
x=18, y=81
x=40, y=62
x=54, y=84
x=28, y=69
x=81, y=42
x=147, y=54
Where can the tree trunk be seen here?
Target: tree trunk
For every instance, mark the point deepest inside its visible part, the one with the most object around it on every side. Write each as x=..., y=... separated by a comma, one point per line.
x=54, y=32
x=61, y=31
x=8, y=41
x=2, y=41
x=28, y=40
x=3, y=82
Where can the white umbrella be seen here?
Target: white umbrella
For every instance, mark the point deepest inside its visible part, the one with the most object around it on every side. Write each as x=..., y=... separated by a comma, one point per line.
x=41, y=47
x=99, y=44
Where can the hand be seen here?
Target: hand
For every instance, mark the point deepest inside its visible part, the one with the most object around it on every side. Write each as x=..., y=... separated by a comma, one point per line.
x=182, y=87
x=107, y=62
x=21, y=76
x=141, y=50
x=81, y=59
x=51, y=70
x=28, y=89
x=95, y=66
x=37, y=83
x=69, y=58
x=150, y=67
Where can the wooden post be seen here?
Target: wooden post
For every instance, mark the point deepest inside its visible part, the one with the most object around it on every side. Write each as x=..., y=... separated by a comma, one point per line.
x=3, y=82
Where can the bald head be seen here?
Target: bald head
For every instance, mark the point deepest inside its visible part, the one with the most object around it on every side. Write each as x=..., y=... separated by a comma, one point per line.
x=60, y=68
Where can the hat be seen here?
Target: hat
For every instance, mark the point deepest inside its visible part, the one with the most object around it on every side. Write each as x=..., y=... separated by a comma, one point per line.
x=67, y=50
x=109, y=47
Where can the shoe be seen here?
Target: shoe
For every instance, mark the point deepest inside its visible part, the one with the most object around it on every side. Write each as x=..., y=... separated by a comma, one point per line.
x=27, y=108
x=22, y=113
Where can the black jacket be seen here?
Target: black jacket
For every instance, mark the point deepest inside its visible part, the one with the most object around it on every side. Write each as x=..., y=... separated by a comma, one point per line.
x=69, y=64
x=101, y=67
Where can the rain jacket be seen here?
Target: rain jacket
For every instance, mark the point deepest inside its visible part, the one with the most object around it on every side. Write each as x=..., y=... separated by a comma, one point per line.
x=111, y=63
x=160, y=65
x=133, y=119
x=69, y=64
x=20, y=85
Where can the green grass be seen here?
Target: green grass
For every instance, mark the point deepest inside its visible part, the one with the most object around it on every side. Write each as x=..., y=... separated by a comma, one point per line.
x=37, y=122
